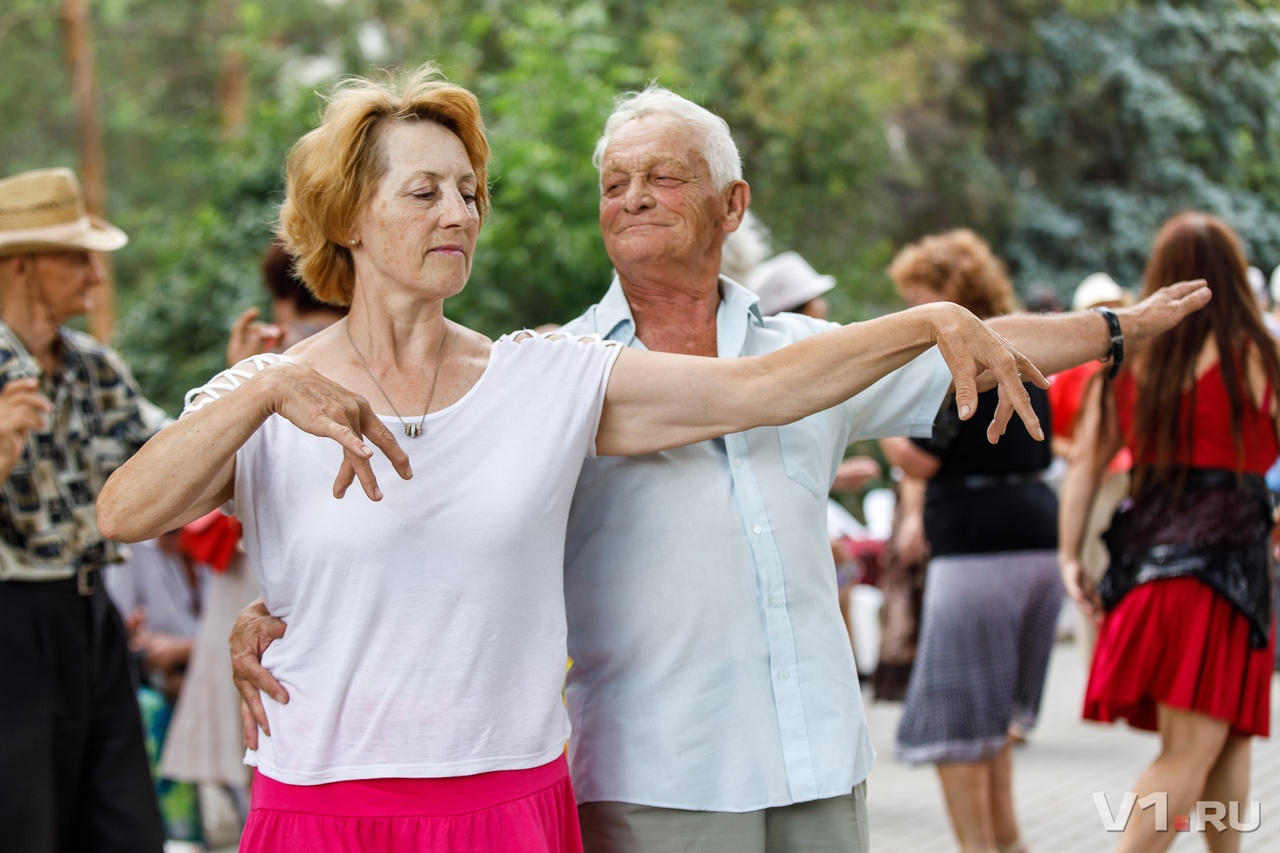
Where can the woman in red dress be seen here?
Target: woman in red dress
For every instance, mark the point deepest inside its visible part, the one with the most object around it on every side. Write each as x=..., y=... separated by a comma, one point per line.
x=1184, y=646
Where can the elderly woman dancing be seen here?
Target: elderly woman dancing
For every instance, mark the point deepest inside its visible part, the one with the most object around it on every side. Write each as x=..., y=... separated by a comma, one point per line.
x=426, y=642
x=1184, y=647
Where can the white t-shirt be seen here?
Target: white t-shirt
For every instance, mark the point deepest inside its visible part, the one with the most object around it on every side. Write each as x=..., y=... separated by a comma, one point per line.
x=426, y=632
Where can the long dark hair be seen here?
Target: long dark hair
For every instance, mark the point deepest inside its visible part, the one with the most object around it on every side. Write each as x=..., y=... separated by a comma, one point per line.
x=1195, y=245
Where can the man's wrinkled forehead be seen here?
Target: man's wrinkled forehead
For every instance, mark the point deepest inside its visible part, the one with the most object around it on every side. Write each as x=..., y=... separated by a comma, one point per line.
x=651, y=141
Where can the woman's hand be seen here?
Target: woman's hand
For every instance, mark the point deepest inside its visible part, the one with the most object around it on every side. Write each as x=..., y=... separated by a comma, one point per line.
x=321, y=407
x=1080, y=587
x=250, y=336
x=971, y=348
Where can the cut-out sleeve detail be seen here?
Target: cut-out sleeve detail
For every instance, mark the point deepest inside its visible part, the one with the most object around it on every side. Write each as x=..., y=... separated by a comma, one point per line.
x=230, y=379
x=522, y=335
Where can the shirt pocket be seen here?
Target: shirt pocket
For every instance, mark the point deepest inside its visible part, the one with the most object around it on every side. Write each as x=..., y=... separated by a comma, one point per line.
x=807, y=461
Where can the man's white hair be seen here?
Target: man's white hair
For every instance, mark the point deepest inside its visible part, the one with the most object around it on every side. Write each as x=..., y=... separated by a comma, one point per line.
x=716, y=143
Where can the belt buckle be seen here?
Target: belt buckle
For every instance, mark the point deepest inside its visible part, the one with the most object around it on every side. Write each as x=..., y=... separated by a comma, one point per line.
x=88, y=580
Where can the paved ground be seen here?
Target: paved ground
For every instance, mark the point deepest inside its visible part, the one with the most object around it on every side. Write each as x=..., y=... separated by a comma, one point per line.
x=1055, y=776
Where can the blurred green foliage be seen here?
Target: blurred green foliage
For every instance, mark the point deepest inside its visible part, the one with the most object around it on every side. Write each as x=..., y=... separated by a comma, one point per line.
x=1063, y=130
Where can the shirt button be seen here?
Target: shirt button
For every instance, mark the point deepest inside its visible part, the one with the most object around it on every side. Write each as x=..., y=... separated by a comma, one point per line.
x=773, y=602
x=756, y=529
x=737, y=462
x=783, y=675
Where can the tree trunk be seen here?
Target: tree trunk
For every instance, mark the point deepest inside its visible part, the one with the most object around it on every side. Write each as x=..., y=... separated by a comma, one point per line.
x=84, y=93
x=233, y=81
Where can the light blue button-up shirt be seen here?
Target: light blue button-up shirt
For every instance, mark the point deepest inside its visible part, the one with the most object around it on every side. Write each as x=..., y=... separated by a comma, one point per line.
x=712, y=669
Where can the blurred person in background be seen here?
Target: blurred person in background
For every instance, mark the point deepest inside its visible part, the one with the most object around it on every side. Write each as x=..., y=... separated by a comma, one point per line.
x=660, y=760
x=745, y=249
x=426, y=652
x=1184, y=648
x=206, y=743
x=158, y=591
x=992, y=592
x=1066, y=393
x=73, y=765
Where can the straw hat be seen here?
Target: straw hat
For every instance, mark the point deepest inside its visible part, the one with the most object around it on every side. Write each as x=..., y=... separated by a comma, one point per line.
x=43, y=211
x=787, y=281
x=1096, y=289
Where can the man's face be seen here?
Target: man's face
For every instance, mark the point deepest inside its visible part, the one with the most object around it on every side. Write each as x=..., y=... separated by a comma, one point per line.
x=657, y=200
x=63, y=282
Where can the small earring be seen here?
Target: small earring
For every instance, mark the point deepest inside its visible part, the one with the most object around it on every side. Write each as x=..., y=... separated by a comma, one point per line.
x=352, y=241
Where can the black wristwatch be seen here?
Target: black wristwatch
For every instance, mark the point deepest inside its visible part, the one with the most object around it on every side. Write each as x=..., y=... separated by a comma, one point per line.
x=1116, y=356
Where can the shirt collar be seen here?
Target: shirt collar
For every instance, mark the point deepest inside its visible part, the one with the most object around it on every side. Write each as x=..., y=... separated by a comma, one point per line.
x=615, y=322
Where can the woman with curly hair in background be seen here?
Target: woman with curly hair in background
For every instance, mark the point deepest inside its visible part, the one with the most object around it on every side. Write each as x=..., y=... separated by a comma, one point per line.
x=992, y=593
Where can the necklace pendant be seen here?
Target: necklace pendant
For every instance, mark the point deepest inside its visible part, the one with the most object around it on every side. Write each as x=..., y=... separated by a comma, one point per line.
x=413, y=430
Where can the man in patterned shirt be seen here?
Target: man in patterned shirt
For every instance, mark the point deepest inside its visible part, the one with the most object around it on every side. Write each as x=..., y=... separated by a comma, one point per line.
x=73, y=767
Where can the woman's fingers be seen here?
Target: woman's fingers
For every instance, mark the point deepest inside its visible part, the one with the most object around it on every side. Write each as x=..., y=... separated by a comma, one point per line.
x=385, y=440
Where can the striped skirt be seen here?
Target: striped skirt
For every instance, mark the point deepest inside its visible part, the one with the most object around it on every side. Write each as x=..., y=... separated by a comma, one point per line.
x=986, y=632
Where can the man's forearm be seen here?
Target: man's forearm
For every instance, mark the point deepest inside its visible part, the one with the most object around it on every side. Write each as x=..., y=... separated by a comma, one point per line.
x=1056, y=342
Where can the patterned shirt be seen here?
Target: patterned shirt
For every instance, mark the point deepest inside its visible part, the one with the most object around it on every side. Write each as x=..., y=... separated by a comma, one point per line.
x=48, y=522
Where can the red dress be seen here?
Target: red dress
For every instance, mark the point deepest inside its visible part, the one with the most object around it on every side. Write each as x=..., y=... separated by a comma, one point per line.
x=1176, y=641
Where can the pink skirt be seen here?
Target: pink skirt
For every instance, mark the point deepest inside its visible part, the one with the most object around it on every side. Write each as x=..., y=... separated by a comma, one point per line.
x=506, y=811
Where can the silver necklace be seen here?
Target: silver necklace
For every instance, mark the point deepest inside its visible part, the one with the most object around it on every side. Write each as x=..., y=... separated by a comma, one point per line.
x=412, y=430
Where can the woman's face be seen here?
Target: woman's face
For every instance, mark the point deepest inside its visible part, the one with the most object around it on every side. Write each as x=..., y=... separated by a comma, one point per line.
x=419, y=230
x=920, y=294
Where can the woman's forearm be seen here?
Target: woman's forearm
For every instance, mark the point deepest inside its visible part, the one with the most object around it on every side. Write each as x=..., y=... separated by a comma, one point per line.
x=186, y=469
x=658, y=400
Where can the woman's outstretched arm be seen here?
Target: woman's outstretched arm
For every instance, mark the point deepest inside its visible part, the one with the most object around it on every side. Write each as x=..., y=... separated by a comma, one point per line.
x=188, y=468
x=658, y=400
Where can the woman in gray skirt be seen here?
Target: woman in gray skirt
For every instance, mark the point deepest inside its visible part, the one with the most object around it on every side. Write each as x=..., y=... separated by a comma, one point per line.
x=992, y=592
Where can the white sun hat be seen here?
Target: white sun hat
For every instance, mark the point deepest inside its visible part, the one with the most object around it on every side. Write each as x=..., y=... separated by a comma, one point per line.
x=1096, y=289
x=785, y=282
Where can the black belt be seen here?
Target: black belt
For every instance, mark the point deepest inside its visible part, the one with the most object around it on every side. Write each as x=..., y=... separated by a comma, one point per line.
x=987, y=481
x=87, y=581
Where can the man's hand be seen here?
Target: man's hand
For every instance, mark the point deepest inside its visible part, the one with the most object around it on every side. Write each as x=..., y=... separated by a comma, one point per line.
x=971, y=348
x=22, y=408
x=255, y=629
x=1161, y=311
x=250, y=336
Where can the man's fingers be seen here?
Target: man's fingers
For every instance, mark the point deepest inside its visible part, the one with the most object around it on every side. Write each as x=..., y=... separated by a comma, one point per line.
x=1000, y=421
x=248, y=727
x=250, y=698
x=26, y=385
x=1028, y=372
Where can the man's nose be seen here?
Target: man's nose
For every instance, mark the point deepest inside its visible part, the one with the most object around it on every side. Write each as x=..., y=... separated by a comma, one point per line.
x=97, y=273
x=638, y=196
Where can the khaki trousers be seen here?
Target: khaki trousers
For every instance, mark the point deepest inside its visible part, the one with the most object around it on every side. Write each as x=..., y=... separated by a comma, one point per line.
x=832, y=825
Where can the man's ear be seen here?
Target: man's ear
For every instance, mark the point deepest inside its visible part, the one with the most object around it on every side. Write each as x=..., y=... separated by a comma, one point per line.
x=737, y=197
